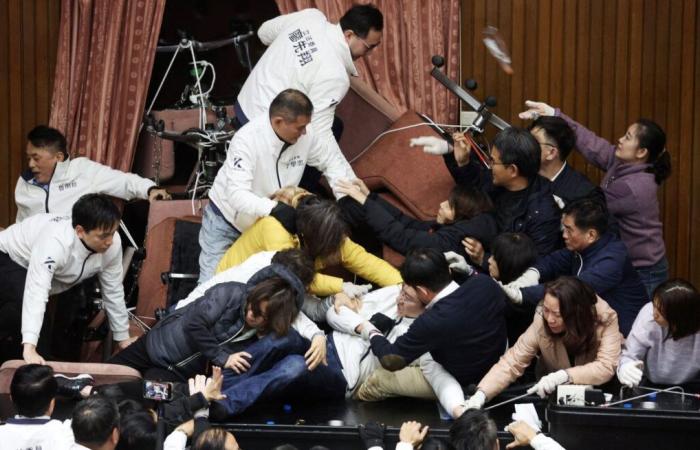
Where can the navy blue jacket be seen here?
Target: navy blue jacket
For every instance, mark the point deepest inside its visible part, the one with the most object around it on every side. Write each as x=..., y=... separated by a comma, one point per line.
x=188, y=337
x=538, y=215
x=572, y=185
x=402, y=233
x=464, y=331
x=605, y=265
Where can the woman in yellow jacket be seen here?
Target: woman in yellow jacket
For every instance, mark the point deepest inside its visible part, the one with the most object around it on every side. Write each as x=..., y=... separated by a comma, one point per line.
x=323, y=234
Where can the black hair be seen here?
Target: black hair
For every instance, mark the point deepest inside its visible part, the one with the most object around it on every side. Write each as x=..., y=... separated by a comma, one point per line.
x=211, y=439
x=281, y=304
x=577, y=302
x=291, y=104
x=558, y=130
x=360, y=19
x=48, y=138
x=652, y=137
x=468, y=202
x=137, y=431
x=473, y=430
x=298, y=262
x=320, y=227
x=679, y=303
x=514, y=253
x=588, y=214
x=519, y=148
x=94, y=419
x=32, y=388
x=426, y=267
x=95, y=211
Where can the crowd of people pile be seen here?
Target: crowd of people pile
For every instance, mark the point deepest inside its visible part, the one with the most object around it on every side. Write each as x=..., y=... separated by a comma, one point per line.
x=528, y=266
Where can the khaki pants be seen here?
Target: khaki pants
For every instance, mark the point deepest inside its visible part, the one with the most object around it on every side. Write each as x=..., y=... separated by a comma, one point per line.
x=407, y=382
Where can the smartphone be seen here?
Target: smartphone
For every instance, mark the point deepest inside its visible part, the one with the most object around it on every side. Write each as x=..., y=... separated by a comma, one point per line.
x=157, y=390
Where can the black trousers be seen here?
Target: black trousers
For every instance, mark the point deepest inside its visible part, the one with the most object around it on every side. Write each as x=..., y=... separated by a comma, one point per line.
x=12, y=279
x=136, y=356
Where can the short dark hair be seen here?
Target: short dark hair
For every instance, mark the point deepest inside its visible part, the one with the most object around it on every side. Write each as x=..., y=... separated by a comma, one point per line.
x=211, y=439
x=320, y=227
x=426, y=267
x=468, y=202
x=514, y=253
x=48, y=138
x=298, y=262
x=577, y=308
x=473, y=430
x=679, y=303
x=137, y=431
x=360, y=19
x=95, y=211
x=32, y=388
x=651, y=136
x=94, y=420
x=558, y=130
x=290, y=104
x=519, y=148
x=588, y=214
x=281, y=304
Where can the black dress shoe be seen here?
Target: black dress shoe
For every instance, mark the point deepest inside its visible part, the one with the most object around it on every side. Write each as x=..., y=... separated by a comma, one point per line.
x=70, y=387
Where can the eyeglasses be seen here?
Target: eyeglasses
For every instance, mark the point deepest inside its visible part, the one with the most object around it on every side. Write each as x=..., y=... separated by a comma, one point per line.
x=545, y=312
x=369, y=47
x=547, y=144
x=406, y=296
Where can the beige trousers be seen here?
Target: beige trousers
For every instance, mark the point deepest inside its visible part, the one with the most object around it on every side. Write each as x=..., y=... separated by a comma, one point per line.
x=407, y=382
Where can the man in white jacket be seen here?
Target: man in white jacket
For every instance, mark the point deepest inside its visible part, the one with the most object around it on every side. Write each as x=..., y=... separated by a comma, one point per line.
x=54, y=253
x=54, y=182
x=267, y=154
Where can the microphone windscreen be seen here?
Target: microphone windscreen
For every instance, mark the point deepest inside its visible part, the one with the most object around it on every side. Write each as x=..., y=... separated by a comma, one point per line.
x=438, y=60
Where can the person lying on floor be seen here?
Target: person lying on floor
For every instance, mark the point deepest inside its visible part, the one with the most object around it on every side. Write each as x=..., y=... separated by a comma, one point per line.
x=319, y=230
x=592, y=254
x=664, y=344
x=463, y=214
x=574, y=337
x=463, y=327
x=244, y=328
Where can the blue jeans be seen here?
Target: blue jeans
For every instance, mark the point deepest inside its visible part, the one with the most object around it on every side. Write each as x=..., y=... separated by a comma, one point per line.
x=215, y=237
x=653, y=275
x=324, y=382
x=276, y=361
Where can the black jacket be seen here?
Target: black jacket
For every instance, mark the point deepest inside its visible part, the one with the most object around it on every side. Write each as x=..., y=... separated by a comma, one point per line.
x=465, y=332
x=188, y=337
x=403, y=233
x=572, y=185
x=538, y=215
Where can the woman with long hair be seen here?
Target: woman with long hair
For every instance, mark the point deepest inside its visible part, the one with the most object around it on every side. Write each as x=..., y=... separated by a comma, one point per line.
x=664, y=344
x=574, y=333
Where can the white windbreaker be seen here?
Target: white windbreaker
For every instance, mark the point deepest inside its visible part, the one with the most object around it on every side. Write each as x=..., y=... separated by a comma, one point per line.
x=354, y=352
x=256, y=167
x=72, y=179
x=23, y=433
x=56, y=259
x=307, y=53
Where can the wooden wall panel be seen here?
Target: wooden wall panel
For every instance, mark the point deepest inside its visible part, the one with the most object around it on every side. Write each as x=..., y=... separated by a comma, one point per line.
x=28, y=39
x=606, y=63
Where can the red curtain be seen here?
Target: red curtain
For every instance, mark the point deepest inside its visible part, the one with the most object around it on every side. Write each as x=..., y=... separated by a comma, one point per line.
x=399, y=69
x=104, y=61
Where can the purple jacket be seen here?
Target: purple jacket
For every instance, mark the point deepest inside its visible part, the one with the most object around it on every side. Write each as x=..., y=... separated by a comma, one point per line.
x=631, y=193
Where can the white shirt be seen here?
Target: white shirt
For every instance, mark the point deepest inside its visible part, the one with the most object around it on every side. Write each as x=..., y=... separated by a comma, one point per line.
x=307, y=53
x=56, y=259
x=256, y=167
x=72, y=179
x=37, y=433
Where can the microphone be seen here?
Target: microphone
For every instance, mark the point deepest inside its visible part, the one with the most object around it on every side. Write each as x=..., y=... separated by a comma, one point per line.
x=437, y=60
x=470, y=84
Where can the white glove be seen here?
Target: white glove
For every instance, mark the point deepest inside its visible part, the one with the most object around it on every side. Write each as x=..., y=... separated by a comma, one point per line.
x=512, y=292
x=549, y=383
x=458, y=263
x=476, y=401
x=431, y=144
x=353, y=290
x=630, y=373
x=530, y=277
x=367, y=328
x=535, y=110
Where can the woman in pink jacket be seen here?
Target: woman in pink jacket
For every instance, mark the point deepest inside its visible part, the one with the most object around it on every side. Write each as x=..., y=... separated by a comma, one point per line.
x=574, y=332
